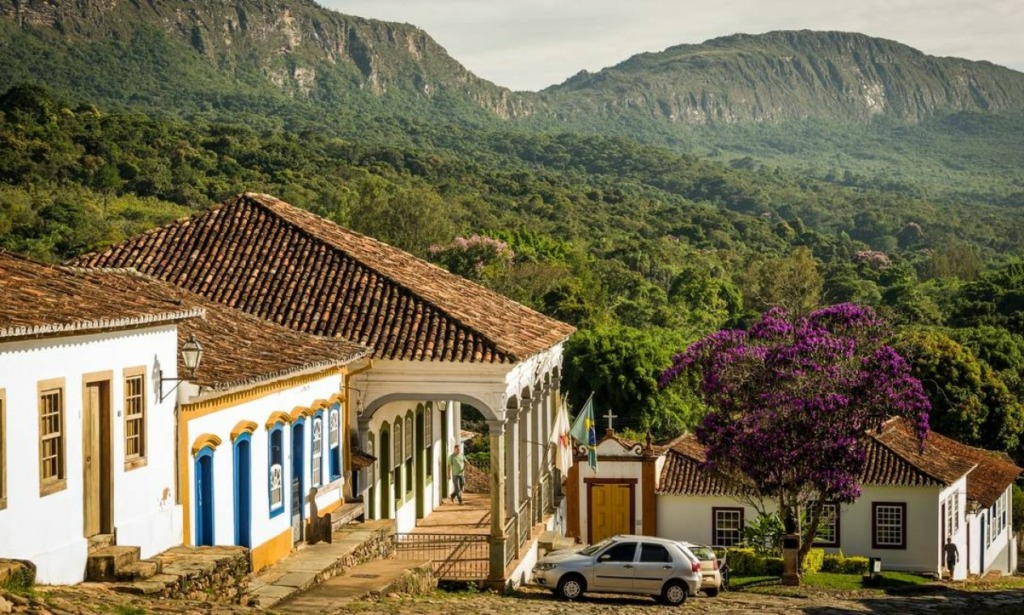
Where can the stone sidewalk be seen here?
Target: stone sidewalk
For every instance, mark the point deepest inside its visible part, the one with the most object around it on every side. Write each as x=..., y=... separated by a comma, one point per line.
x=311, y=565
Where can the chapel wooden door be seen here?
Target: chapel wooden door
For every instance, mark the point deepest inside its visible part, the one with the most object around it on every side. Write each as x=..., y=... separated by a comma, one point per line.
x=611, y=510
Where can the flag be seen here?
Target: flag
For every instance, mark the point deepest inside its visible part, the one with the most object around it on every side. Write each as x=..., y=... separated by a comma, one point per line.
x=560, y=438
x=585, y=433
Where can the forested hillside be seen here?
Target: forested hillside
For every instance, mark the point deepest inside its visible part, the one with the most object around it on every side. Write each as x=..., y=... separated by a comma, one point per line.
x=609, y=202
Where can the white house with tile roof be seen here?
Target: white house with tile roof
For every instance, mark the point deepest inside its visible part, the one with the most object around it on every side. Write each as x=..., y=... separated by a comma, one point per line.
x=911, y=500
x=438, y=341
x=85, y=445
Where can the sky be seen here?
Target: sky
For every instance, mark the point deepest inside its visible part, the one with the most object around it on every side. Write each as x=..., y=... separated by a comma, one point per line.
x=531, y=44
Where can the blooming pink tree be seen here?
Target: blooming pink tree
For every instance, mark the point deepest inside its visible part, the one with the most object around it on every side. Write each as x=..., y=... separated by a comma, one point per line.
x=792, y=399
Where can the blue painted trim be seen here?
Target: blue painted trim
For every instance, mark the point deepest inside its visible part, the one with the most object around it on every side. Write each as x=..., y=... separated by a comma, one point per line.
x=204, y=528
x=278, y=432
x=243, y=490
x=298, y=459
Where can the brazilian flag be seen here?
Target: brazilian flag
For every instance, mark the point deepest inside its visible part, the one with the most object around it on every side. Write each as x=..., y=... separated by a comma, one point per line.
x=583, y=430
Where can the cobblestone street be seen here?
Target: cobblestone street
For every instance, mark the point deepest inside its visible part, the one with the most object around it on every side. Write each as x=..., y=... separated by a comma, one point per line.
x=539, y=602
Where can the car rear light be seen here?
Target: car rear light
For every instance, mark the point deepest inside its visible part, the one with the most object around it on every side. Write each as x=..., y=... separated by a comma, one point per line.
x=695, y=566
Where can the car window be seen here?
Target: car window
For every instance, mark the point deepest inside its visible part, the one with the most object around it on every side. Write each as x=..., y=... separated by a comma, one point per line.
x=654, y=553
x=621, y=552
x=703, y=553
x=592, y=549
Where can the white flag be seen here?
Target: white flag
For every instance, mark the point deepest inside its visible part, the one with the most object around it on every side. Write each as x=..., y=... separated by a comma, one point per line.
x=560, y=438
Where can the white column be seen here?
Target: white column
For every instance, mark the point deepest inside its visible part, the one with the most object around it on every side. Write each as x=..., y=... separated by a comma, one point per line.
x=512, y=461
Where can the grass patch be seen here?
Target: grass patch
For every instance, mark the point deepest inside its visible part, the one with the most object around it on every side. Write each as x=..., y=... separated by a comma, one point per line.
x=21, y=582
x=830, y=582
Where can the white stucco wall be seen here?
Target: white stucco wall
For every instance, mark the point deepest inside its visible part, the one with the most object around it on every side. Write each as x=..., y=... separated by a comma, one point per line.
x=221, y=423
x=997, y=555
x=49, y=530
x=690, y=518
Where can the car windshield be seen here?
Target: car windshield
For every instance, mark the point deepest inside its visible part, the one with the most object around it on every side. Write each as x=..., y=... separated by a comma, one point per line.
x=592, y=549
x=703, y=553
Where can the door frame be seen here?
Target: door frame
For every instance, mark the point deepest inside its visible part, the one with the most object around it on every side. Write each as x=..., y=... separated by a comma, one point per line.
x=590, y=482
x=105, y=381
x=204, y=526
x=298, y=471
x=243, y=489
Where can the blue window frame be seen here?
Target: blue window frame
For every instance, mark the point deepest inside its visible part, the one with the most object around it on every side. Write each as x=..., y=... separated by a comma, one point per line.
x=275, y=470
x=334, y=440
x=204, y=497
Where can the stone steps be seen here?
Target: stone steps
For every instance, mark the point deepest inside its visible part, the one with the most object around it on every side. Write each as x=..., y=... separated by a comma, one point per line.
x=371, y=580
x=105, y=564
x=213, y=574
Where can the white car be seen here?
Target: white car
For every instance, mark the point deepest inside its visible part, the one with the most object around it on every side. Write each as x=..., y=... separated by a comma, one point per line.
x=624, y=564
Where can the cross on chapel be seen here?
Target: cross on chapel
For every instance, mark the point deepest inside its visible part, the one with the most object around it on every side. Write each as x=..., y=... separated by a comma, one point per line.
x=610, y=416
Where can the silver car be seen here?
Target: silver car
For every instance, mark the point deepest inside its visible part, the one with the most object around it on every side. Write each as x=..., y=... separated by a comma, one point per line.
x=624, y=564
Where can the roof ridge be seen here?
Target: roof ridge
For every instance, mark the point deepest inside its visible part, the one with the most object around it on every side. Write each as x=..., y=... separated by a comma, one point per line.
x=257, y=199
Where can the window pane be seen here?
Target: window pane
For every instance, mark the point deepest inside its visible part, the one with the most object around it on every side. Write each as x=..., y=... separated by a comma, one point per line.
x=654, y=553
x=620, y=552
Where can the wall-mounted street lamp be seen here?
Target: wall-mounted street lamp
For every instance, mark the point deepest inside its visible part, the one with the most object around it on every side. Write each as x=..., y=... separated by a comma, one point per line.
x=191, y=356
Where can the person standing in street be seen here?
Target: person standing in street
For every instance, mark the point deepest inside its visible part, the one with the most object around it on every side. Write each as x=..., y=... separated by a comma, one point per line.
x=457, y=472
x=952, y=555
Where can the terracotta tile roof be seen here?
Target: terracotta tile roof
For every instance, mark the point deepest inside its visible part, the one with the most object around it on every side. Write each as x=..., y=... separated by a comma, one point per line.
x=894, y=458
x=286, y=265
x=682, y=475
x=990, y=472
x=238, y=349
x=38, y=299
x=241, y=350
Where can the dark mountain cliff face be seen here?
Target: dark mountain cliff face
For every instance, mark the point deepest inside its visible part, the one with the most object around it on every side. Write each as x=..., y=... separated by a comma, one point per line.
x=785, y=76
x=302, y=49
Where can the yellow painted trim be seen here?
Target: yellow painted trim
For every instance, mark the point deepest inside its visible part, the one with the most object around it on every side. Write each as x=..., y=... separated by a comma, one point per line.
x=243, y=427
x=183, y=481
x=319, y=404
x=299, y=412
x=277, y=417
x=338, y=397
x=204, y=440
x=208, y=406
x=272, y=550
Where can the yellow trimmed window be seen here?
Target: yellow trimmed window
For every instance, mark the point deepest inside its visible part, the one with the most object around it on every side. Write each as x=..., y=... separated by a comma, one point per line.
x=52, y=441
x=134, y=417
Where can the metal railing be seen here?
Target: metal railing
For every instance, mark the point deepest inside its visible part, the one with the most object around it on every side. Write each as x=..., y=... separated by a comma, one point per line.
x=511, y=531
x=455, y=556
x=524, y=521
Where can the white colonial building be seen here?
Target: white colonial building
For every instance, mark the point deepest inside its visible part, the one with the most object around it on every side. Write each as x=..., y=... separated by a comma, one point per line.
x=85, y=446
x=912, y=500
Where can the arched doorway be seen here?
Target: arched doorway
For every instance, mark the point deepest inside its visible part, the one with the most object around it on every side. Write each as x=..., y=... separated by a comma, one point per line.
x=385, y=472
x=298, y=478
x=204, y=497
x=243, y=491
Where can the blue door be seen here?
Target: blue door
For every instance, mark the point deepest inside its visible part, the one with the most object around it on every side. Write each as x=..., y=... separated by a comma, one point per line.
x=204, y=497
x=243, y=491
x=298, y=484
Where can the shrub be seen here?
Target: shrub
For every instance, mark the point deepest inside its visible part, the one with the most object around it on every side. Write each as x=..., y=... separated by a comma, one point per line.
x=813, y=561
x=745, y=562
x=855, y=565
x=832, y=562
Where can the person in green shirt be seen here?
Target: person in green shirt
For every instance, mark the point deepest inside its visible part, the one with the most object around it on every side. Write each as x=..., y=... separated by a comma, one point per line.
x=457, y=472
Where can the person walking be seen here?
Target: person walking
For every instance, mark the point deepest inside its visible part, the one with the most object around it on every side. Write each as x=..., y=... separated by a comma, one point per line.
x=952, y=555
x=457, y=472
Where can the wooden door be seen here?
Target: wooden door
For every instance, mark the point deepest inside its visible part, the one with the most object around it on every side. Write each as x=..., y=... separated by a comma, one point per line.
x=611, y=510
x=96, y=460
x=298, y=482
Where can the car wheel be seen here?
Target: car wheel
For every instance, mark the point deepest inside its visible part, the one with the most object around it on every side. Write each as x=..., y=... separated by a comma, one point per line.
x=711, y=592
x=571, y=586
x=674, y=593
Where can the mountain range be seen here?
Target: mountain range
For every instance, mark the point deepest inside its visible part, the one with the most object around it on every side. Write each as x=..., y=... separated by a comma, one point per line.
x=175, y=53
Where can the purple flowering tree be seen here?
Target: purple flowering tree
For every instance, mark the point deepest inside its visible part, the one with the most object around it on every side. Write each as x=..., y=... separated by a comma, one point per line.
x=792, y=399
